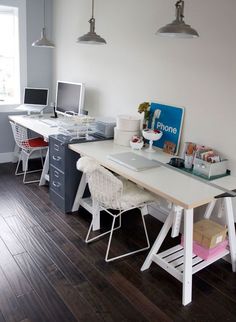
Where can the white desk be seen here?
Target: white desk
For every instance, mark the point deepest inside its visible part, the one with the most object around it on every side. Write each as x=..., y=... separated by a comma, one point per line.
x=34, y=123
x=178, y=188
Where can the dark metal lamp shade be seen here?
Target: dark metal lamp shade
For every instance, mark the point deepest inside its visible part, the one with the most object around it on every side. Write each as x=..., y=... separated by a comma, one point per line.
x=91, y=37
x=178, y=28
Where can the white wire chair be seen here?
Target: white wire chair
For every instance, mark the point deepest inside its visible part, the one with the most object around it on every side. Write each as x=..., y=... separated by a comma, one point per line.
x=27, y=147
x=108, y=193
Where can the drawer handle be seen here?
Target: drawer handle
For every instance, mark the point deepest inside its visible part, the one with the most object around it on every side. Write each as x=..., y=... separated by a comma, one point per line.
x=56, y=173
x=56, y=184
x=56, y=147
x=56, y=158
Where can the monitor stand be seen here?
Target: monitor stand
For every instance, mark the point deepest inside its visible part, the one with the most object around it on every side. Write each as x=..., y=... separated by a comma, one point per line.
x=55, y=113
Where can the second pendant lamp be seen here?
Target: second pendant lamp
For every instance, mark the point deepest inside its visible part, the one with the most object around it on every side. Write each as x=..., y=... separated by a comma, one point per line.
x=91, y=37
x=178, y=28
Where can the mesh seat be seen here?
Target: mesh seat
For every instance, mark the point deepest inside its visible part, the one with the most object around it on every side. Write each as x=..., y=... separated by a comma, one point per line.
x=27, y=147
x=109, y=193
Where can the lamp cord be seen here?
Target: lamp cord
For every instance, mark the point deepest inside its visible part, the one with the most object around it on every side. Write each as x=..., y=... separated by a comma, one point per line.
x=92, y=9
x=180, y=10
x=44, y=13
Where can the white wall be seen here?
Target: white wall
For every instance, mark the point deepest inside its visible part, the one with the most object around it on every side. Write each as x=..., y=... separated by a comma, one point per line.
x=136, y=65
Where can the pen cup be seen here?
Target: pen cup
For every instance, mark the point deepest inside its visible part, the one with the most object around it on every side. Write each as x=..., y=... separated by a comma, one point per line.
x=188, y=161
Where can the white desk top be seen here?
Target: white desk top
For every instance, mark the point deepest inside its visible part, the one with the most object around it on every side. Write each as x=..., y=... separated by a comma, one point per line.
x=228, y=182
x=34, y=123
x=167, y=183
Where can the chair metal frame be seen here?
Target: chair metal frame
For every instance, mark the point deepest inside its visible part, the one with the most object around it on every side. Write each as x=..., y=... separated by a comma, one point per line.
x=106, y=191
x=22, y=141
x=113, y=228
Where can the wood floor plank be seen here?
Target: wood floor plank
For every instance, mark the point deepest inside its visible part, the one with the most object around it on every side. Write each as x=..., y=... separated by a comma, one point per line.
x=70, y=295
x=110, y=300
x=14, y=275
x=43, y=248
x=13, y=244
x=30, y=211
x=220, y=276
x=13, y=206
x=9, y=306
x=34, y=308
x=46, y=243
x=77, y=305
x=46, y=292
x=2, y=317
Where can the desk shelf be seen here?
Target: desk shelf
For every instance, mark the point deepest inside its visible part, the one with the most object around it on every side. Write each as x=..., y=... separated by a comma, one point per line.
x=172, y=260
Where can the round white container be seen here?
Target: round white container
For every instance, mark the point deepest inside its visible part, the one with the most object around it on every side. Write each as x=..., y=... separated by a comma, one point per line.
x=128, y=123
x=124, y=137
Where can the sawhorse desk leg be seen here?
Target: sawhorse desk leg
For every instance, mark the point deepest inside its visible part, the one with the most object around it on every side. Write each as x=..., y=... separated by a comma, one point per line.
x=79, y=193
x=188, y=251
x=231, y=230
x=187, y=261
x=229, y=216
x=93, y=209
x=158, y=242
x=45, y=171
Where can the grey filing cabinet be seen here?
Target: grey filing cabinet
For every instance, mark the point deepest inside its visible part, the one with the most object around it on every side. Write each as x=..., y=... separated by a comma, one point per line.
x=64, y=177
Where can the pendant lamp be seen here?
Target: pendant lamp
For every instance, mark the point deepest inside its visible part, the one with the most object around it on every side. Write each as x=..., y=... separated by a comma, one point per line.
x=91, y=37
x=178, y=28
x=43, y=41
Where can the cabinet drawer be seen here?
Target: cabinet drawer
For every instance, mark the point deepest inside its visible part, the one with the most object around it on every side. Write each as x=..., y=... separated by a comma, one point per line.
x=56, y=147
x=57, y=181
x=57, y=160
x=56, y=153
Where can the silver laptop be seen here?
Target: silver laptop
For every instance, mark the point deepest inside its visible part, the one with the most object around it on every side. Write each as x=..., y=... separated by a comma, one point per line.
x=35, y=99
x=133, y=161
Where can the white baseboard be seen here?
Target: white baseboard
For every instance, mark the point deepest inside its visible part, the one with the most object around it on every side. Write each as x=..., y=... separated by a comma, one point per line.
x=7, y=157
x=158, y=212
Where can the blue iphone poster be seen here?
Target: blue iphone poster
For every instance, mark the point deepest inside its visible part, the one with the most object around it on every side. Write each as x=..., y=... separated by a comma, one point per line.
x=167, y=119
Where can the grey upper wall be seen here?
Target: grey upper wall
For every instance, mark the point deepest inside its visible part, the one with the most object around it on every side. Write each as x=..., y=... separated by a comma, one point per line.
x=39, y=64
x=39, y=60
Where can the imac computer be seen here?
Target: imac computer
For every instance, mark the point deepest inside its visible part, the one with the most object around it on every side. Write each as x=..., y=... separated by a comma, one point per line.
x=35, y=99
x=69, y=98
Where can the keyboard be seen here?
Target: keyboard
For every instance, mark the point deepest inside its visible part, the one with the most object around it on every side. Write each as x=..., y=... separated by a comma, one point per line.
x=49, y=122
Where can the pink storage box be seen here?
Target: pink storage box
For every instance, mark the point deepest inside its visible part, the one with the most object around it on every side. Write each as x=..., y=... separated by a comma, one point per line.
x=207, y=253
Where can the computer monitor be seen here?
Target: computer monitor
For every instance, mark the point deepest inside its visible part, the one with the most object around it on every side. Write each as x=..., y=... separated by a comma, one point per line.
x=35, y=100
x=69, y=97
x=36, y=96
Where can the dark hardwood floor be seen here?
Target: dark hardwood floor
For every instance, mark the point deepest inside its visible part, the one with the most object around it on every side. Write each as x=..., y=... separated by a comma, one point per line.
x=48, y=273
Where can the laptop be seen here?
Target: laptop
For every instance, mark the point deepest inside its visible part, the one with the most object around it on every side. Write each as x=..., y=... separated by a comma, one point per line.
x=133, y=161
x=35, y=99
